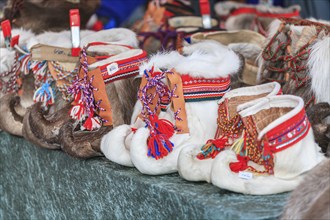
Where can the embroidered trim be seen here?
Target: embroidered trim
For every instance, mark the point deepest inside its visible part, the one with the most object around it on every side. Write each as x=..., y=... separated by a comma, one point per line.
x=201, y=89
x=289, y=132
x=126, y=68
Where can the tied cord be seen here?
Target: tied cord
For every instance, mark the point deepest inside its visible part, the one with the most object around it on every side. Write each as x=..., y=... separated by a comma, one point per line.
x=160, y=130
x=212, y=148
x=168, y=38
x=82, y=91
x=10, y=85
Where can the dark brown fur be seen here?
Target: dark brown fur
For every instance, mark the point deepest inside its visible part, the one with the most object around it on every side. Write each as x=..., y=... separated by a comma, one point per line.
x=311, y=199
x=85, y=144
x=42, y=128
x=10, y=121
x=49, y=15
x=317, y=115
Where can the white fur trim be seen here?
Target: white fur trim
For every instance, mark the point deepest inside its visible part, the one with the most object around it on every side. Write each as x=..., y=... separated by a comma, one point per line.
x=113, y=147
x=271, y=89
x=56, y=39
x=208, y=59
x=319, y=69
x=165, y=61
x=7, y=59
x=115, y=36
x=223, y=177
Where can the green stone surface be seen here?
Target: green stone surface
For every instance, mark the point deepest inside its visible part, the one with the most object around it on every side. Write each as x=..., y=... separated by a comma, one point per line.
x=43, y=184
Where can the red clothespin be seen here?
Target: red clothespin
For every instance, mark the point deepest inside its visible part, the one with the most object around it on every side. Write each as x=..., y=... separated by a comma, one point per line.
x=75, y=31
x=205, y=10
x=10, y=42
x=6, y=30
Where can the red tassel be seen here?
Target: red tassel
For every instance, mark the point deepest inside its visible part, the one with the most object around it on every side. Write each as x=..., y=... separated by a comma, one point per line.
x=240, y=165
x=212, y=148
x=162, y=126
x=159, y=146
x=134, y=130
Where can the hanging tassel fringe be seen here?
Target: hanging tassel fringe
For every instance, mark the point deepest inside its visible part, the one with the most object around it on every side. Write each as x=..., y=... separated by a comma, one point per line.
x=212, y=148
x=44, y=94
x=162, y=126
x=78, y=112
x=159, y=146
x=238, y=145
x=92, y=123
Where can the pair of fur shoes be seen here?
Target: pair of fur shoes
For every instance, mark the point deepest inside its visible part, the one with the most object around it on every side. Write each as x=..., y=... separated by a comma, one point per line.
x=264, y=144
x=52, y=127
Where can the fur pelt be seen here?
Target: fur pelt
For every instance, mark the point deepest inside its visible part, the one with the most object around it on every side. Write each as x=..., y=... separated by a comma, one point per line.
x=311, y=199
x=319, y=69
x=317, y=115
x=86, y=144
x=10, y=121
x=50, y=15
x=13, y=107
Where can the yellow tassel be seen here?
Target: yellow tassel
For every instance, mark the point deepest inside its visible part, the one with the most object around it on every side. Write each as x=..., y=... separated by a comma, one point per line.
x=238, y=145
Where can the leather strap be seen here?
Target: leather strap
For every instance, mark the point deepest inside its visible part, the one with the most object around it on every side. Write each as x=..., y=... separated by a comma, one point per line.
x=178, y=103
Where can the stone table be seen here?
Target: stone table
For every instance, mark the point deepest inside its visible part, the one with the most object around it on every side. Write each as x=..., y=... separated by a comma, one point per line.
x=38, y=183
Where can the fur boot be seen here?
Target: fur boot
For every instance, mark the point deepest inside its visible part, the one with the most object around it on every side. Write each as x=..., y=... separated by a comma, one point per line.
x=277, y=150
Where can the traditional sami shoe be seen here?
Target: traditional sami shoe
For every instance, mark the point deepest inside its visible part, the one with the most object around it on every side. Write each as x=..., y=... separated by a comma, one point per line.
x=61, y=69
x=195, y=163
x=105, y=93
x=197, y=82
x=278, y=148
x=245, y=42
x=304, y=71
x=116, y=144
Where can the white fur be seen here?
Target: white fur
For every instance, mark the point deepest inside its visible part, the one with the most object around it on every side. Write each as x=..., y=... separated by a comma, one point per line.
x=56, y=39
x=165, y=61
x=7, y=59
x=208, y=59
x=113, y=142
x=24, y=36
x=223, y=177
x=193, y=169
x=116, y=36
x=319, y=69
x=63, y=39
x=289, y=164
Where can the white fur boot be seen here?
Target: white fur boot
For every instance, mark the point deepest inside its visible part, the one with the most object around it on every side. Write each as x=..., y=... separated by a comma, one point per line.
x=198, y=81
x=278, y=148
x=195, y=163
